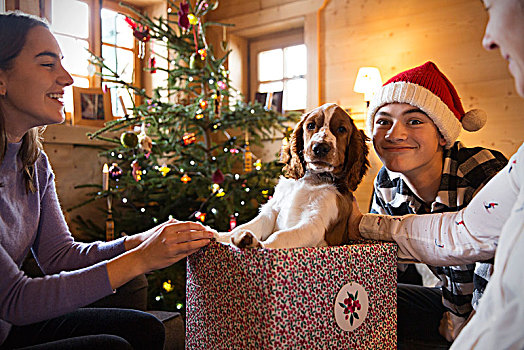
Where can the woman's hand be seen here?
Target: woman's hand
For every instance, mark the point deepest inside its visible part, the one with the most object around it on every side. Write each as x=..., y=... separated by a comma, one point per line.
x=354, y=219
x=172, y=242
x=157, y=248
x=137, y=239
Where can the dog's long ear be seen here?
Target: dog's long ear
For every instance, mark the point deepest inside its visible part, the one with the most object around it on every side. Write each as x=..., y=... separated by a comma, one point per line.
x=357, y=162
x=292, y=154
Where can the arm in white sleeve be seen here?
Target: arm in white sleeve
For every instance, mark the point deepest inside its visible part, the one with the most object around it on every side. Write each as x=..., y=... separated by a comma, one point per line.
x=457, y=238
x=498, y=321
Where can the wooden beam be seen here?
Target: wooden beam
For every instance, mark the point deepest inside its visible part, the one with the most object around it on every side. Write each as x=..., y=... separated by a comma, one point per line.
x=245, y=25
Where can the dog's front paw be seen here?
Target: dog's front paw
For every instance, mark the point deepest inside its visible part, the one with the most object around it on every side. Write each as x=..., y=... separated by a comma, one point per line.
x=245, y=239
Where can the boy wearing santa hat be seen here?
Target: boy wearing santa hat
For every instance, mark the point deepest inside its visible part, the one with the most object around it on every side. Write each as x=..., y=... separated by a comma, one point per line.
x=415, y=119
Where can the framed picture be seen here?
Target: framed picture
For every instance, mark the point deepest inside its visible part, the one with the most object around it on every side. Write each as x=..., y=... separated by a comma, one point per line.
x=92, y=107
x=270, y=100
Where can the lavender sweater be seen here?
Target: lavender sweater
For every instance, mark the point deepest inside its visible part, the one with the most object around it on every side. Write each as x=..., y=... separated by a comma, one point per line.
x=76, y=273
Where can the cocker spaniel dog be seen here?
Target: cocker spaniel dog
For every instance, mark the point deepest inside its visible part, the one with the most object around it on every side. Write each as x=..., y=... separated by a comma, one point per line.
x=325, y=161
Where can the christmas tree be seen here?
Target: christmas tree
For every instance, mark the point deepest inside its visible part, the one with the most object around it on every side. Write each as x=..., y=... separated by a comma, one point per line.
x=185, y=155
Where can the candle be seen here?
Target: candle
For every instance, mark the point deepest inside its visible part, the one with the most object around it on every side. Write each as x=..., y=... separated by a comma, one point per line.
x=105, y=177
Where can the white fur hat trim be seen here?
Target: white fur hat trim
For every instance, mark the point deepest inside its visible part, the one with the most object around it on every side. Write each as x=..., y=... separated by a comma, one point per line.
x=418, y=96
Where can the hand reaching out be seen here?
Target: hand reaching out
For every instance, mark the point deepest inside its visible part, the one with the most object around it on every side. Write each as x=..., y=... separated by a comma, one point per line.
x=159, y=247
x=173, y=241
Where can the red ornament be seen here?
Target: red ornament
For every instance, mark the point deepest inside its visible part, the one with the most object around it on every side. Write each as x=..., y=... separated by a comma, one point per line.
x=183, y=21
x=115, y=172
x=152, y=64
x=140, y=31
x=203, y=104
x=232, y=222
x=218, y=177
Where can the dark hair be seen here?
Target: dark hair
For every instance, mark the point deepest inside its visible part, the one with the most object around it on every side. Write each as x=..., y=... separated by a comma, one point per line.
x=14, y=27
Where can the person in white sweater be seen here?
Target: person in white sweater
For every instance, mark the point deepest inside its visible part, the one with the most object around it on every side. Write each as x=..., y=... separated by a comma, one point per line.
x=492, y=225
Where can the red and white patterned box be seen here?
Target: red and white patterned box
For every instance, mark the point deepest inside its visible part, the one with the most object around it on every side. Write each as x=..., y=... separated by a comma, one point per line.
x=305, y=298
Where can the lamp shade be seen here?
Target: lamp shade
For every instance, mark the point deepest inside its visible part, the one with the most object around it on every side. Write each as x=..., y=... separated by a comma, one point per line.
x=368, y=79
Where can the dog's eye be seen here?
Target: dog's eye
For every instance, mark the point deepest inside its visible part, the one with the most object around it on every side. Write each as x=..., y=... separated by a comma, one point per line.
x=342, y=129
x=311, y=126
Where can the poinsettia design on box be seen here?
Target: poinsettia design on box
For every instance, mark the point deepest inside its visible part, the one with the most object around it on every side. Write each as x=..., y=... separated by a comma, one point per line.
x=351, y=305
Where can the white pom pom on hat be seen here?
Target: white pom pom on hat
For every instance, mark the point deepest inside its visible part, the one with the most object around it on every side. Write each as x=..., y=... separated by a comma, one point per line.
x=474, y=120
x=427, y=88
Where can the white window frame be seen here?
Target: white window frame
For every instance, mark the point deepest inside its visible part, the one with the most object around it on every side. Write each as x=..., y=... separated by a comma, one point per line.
x=270, y=42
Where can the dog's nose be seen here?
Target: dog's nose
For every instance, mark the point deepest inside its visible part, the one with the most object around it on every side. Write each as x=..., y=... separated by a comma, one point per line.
x=321, y=149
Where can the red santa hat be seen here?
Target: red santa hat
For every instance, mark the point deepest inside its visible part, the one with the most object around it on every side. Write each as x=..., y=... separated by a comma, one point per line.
x=427, y=88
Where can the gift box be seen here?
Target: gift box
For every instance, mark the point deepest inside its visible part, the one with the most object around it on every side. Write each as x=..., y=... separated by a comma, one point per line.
x=310, y=298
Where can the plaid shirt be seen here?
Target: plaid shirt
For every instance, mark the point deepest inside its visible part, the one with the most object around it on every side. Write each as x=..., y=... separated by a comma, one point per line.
x=465, y=172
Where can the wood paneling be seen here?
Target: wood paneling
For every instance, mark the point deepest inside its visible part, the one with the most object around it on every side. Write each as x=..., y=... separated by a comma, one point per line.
x=74, y=159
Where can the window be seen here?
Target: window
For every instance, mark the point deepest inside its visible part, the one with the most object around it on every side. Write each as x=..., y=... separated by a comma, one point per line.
x=70, y=24
x=280, y=64
x=118, y=51
x=74, y=23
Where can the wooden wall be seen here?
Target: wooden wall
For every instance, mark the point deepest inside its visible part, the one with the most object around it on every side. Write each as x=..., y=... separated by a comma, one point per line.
x=393, y=36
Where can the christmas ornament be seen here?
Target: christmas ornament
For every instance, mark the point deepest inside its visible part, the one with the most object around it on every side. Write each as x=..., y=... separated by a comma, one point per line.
x=141, y=33
x=196, y=61
x=232, y=222
x=152, y=64
x=185, y=179
x=183, y=20
x=115, y=172
x=164, y=170
x=137, y=171
x=217, y=177
x=129, y=139
x=203, y=54
x=221, y=193
x=192, y=19
x=145, y=142
x=215, y=188
x=188, y=138
x=199, y=116
x=203, y=104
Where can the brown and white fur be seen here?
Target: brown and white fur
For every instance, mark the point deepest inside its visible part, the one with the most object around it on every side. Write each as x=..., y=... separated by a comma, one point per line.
x=325, y=160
